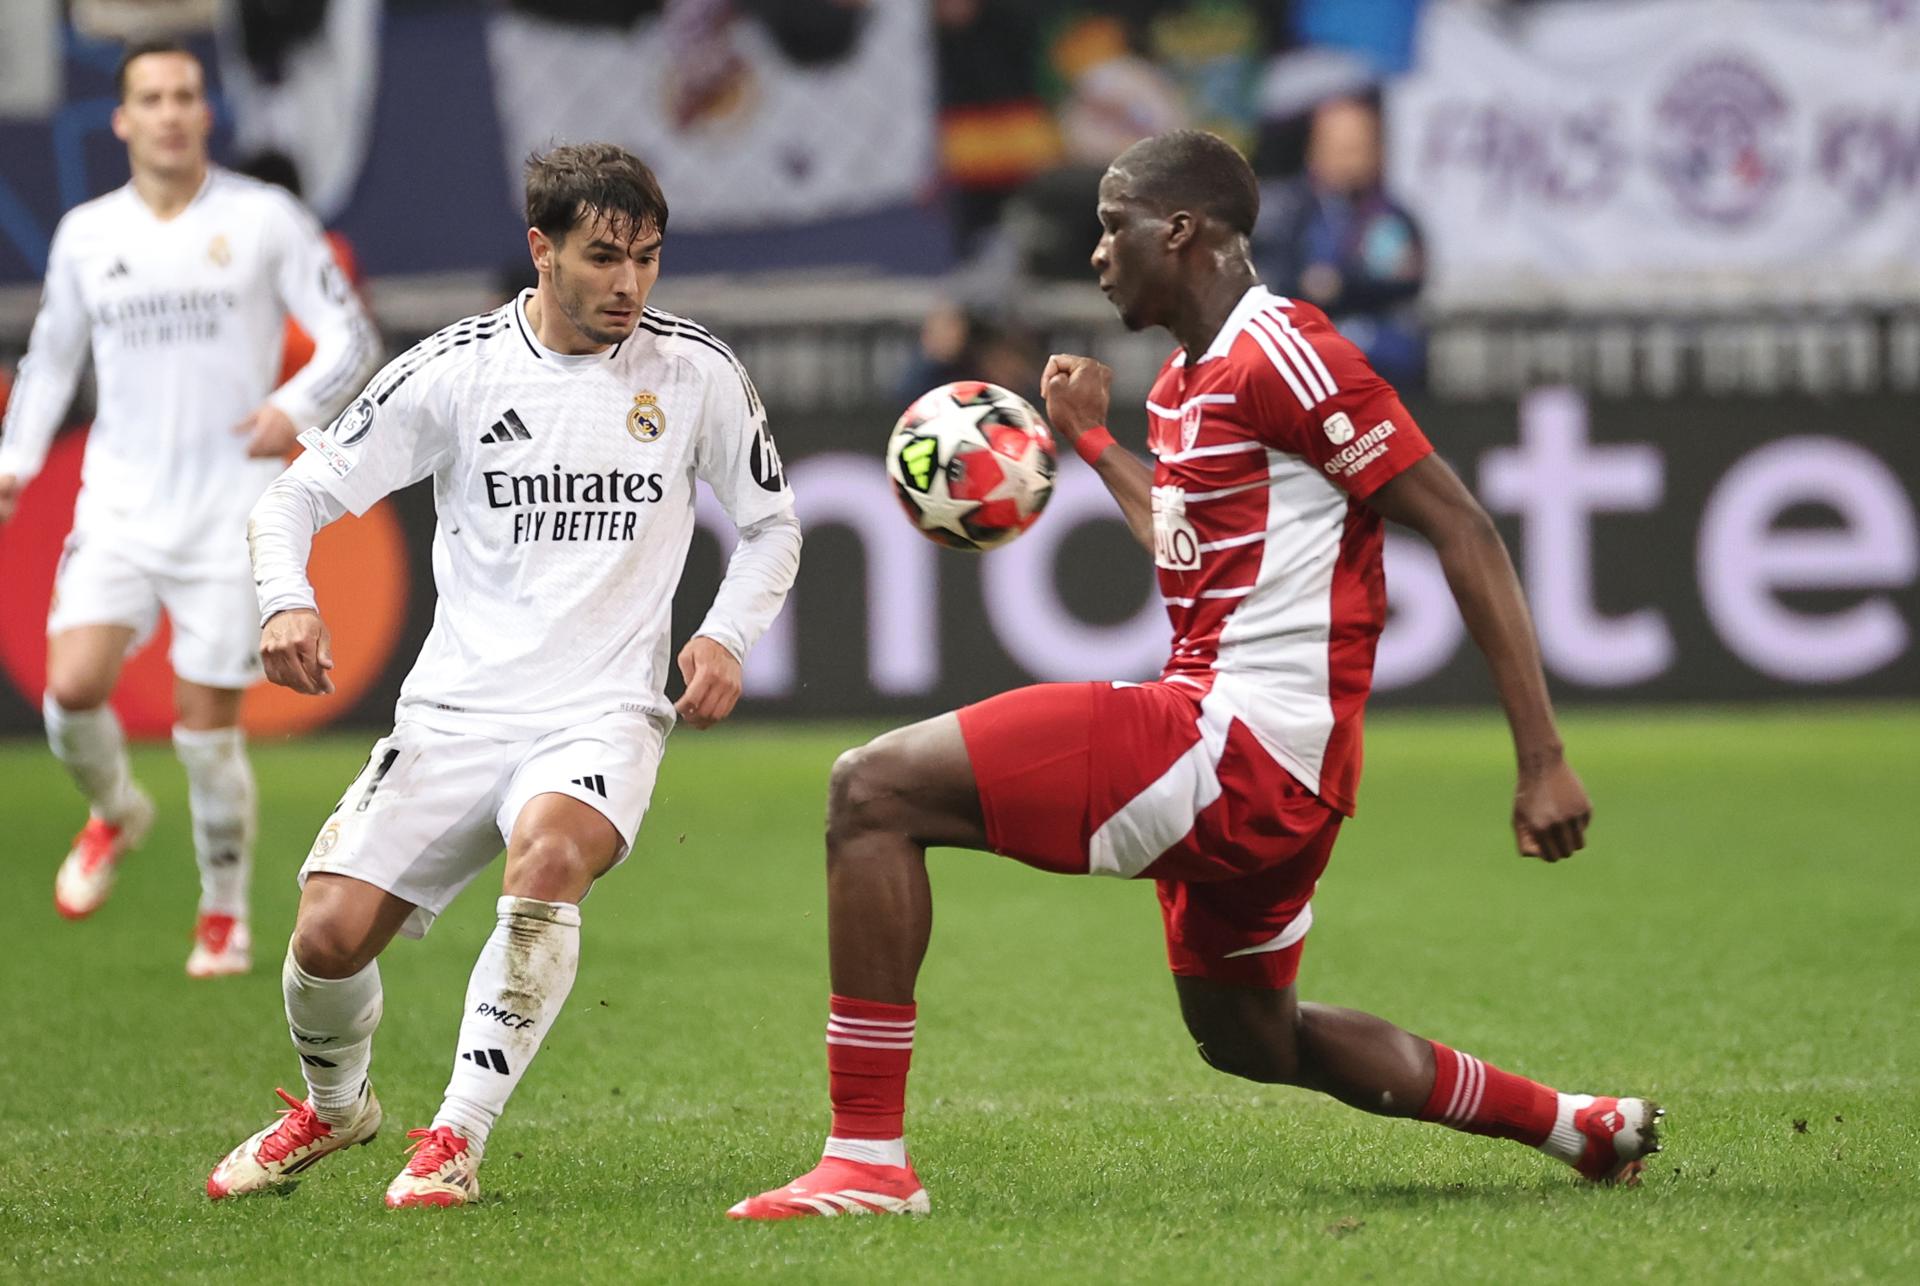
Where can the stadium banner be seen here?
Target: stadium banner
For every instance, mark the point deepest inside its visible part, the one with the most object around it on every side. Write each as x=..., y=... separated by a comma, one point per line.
x=730, y=115
x=30, y=79
x=1672, y=550
x=1624, y=152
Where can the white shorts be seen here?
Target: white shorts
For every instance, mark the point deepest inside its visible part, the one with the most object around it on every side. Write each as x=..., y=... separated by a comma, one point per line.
x=216, y=619
x=431, y=809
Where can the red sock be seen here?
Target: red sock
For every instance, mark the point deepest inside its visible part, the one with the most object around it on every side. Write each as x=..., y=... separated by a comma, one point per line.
x=1479, y=1098
x=869, y=1045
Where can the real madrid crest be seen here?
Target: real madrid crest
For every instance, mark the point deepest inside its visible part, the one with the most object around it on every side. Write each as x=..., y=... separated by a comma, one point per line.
x=646, y=421
x=219, y=252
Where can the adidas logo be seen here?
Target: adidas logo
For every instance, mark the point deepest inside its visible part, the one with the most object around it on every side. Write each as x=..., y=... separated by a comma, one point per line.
x=594, y=782
x=507, y=428
x=492, y=1058
x=314, y=1060
x=119, y=269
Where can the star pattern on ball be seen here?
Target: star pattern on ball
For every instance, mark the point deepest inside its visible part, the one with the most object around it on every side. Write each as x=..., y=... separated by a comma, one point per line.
x=1022, y=480
x=942, y=511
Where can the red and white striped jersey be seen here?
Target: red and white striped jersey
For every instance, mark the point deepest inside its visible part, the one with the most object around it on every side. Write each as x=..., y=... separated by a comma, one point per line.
x=1267, y=559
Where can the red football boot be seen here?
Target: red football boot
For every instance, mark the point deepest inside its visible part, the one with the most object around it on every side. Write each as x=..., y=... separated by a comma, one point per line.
x=840, y=1187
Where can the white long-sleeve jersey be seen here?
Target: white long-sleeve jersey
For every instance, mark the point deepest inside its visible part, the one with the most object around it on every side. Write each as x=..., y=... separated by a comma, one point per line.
x=185, y=318
x=564, y=488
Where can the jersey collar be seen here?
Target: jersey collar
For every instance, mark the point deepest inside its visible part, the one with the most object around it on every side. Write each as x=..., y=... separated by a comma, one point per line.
x=541, y=353
x=1257, y=299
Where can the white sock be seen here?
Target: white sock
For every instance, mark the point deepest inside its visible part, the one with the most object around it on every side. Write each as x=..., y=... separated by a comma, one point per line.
x=91, y=746
x=871, y=1151
x=332, y=1021
x=221, y=794
x=518, y=985
x=1563, y=1140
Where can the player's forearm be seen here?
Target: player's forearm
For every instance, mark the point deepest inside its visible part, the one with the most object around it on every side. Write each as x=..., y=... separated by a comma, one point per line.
x=41, y=395
x=346, y=351
x=280, y=533
x=759, y=576
x=1130, y=480
x=1488, y=592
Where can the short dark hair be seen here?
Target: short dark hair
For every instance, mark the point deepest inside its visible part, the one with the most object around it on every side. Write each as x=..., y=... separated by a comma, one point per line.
x=579, y=182
x=140, y=49
x=1190, y=169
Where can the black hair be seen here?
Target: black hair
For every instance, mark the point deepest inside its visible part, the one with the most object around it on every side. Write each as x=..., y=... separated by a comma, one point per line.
x=272, y=166
x=140, y=49
x=1190, y=169
x=580, y=182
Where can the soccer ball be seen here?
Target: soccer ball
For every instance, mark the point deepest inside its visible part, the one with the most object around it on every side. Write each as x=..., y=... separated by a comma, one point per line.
x=972, y=464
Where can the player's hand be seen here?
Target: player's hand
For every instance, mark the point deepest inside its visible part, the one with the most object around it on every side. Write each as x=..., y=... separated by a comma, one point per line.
x=296, y=651
x=9, y=494
x=1077, y=391
x=713, y=682
x=269, y=433
x=1550, y=812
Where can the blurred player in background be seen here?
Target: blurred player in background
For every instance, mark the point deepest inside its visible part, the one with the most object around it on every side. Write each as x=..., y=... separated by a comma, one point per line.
x=278, y=169
x=1226, y=781
x=563, y=433
x=180, y=281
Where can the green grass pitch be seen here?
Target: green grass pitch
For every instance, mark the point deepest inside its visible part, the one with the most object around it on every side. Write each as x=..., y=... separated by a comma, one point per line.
x=1741, y=941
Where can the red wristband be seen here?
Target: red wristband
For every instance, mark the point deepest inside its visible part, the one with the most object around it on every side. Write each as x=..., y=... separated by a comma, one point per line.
x=1091, y=443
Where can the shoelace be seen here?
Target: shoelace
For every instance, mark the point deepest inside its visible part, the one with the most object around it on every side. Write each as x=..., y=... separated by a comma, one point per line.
x=213, y=932
x=298, y=1127
x=96, y=839
x=433, y=1149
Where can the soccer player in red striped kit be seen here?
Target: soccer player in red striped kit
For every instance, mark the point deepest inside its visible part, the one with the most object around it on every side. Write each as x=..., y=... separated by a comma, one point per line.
x=1278, y=452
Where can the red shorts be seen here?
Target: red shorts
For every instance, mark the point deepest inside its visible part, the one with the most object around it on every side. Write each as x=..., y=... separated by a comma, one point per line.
x=1144, y=780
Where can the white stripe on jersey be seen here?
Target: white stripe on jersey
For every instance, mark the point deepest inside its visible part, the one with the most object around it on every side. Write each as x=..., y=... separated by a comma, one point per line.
x=1198, y=399
x=1277, y=465
x=1251, y=538
x=1306, y=346
x=1222, y=448
x=1241, y=592
x=1283, y=366
x=1306, y=365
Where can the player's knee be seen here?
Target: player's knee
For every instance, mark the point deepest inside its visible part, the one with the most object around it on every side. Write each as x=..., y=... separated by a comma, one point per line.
x=860, y=792
x=331, y=948
x=1252, y=1055
x=75, y=692
x=553, y=866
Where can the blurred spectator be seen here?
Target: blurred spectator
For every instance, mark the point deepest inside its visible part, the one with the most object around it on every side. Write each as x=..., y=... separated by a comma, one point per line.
x=995, y=130
x=1110, y=95
x=278, y=169
x=126, y=20
x=300, y=78
x=1380, y=32
x=1336, y=238
x=958, y=345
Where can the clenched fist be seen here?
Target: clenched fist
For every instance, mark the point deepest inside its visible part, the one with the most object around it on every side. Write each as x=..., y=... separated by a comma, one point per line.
x=1077, y=391
x=296, y=651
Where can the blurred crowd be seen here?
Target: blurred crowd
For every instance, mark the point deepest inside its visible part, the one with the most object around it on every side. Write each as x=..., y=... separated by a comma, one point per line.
x=1036, y=98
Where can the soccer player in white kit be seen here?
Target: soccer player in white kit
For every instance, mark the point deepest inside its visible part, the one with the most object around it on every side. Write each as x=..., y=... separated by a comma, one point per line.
x=564, y=433
x=180, y=283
